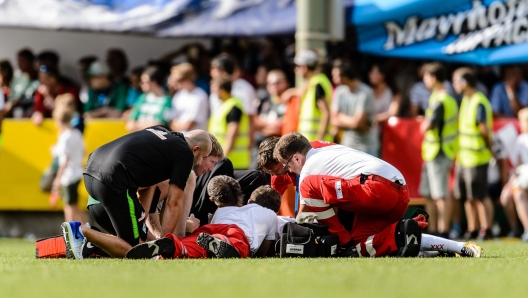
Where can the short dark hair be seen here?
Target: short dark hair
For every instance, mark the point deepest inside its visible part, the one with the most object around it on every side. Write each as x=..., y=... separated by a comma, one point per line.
x=6, y=70
x=345, y=69
x=290, y=144
x=120, y=61
x=225, y=190
x=223, y=84
x=437, y=70
x=265, y=157
x=49, y=56
x=468, y=75
x=266, y=197
x=156, y=74
x=224, y=62
x=26, y=54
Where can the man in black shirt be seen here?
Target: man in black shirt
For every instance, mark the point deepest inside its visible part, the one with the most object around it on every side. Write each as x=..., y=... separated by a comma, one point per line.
x=142, y=159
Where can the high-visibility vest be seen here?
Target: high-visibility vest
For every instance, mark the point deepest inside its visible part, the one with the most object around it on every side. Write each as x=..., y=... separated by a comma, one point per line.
x=472, y=148
x=309, y=114
x=239, y=154
x=446, y=140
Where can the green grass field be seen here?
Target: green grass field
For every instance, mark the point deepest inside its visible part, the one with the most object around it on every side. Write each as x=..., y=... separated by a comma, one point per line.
x=501, y=273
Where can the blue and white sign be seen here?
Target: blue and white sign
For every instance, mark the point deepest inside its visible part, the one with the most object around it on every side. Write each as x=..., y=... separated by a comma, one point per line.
x=468, y=31
x=155, y=17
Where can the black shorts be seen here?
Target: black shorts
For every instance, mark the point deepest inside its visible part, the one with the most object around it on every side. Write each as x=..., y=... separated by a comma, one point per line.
x=70, y=194
x=123, y=208
x=471, y=183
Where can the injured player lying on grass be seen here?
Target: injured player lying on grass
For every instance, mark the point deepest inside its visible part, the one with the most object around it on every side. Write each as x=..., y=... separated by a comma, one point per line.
x=234, y=231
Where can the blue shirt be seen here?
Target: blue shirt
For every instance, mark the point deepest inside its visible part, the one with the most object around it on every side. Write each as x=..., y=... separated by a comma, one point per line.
x=500, y=102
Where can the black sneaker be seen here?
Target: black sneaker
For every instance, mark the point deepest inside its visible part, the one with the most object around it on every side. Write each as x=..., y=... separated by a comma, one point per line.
x=470, y=235
x=216, y=246
x=484, y=235
x=408, y=238
x=348, y=252
x=148, y=250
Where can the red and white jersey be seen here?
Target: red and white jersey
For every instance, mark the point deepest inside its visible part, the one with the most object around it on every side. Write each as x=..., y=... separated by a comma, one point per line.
x=347, y=163
x=280, y=183
x=337, y=164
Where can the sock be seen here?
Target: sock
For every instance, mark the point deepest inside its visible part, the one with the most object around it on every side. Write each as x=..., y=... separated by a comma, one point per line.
x=433, y=243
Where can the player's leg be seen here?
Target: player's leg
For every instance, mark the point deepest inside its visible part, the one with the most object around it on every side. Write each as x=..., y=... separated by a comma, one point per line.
x=439, y=244
x=224, y=241
x=126, y=215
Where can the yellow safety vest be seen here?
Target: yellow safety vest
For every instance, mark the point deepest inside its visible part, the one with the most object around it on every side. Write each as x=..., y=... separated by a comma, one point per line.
x=239, y=154
x=472, y=148
x=310, y=116
x=447, y=139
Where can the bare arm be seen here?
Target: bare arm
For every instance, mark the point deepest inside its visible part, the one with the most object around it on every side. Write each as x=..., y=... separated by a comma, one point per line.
x=325, y=118
x=172, y=209
x=231, y=135
x=145, y=197
x=186, y=203
x=393, y=109
x=485, y=133
x=425, y=126
x=263, y=249
x=176, y=125
x=56, y=183
x=358, y=121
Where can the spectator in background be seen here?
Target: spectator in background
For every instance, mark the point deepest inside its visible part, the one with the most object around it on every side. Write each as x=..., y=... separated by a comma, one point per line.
x=230, y=125
x=106, y=98
x=69, y=152
x=352, y=108
x=51, y=86
x=117, y=61
x=387, y=101
x=520, y=179
x=226, y=66
x=271, y=109
x=134, y=90
x=474, y=154
x=510, y=95
x=153, y=107
x=6, y=76
x=84, y=65
x=190, y=104
x=23, y=86
x=50, y=60
x=440, y=129
x=316, y=96
x=260, y=81
x=386, y=98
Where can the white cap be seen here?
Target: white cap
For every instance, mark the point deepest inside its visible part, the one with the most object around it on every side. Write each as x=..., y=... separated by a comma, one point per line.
x=98, y=69
x=306, y=58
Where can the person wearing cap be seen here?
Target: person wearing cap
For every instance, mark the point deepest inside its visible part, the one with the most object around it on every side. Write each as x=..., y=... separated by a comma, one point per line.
x=106, y=99
x=316, y=96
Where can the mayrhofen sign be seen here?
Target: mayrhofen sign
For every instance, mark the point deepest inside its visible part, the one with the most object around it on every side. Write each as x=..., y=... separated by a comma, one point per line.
x=470, y=31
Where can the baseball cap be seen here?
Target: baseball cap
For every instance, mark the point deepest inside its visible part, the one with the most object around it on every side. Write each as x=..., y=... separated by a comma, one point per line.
x=306, y=58
x=98, y=68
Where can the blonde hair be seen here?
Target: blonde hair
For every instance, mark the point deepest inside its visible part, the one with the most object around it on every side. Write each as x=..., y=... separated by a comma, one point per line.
x=64, y=108
x=523, y=119
x=185, y=71
x=216, y=148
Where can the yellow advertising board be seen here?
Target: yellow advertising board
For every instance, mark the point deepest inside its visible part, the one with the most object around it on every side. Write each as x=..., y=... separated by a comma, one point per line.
x=26, y=152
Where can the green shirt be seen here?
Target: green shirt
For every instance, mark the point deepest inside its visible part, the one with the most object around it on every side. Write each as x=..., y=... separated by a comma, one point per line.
x=115, y=97
x=150, y=107
x=22, y=86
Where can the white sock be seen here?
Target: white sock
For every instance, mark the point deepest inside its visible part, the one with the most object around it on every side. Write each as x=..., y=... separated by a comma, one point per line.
x=433, y=243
